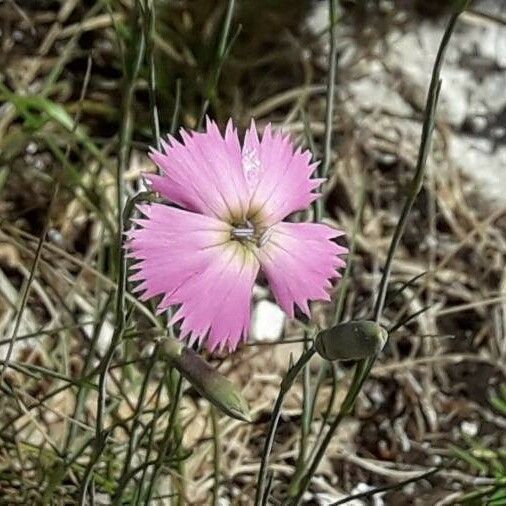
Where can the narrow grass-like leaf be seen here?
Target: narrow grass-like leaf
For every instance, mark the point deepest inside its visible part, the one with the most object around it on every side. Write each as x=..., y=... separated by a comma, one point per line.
x=285, y=386
x=363, y=367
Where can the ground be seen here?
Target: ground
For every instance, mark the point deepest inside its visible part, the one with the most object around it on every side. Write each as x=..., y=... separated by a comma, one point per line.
x=436, y=396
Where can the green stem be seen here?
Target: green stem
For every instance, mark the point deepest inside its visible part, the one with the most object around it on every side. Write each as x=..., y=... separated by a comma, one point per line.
x=386, y=488
x=166, y=441
x=26, y=291
x=425, y=143
x=363, y=367
x=136, y=429
x=343, y=285
x=339, y=300
x=216, y=456
x=47, y=222
x=120, y=312
x=149, y=34
x=331, y=89
x=329, y=111
x=221, y=54
x=285, y=386
x=151, y=437
x=361, y=371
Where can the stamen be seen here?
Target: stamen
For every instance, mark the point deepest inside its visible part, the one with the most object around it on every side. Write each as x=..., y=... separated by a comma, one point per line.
x=243, y=232
x=248, y=232
x=264, y=237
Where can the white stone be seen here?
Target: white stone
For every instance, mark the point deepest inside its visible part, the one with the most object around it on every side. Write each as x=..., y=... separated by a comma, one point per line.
x=267, y=322
x=469, y=428
x=105, y=336
x=372, y=94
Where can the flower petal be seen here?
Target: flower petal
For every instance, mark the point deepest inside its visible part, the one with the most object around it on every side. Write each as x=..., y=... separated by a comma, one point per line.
x=203, y=173
x=299, y=259
x=218, y=302
x=191, y=261
x=279, y=176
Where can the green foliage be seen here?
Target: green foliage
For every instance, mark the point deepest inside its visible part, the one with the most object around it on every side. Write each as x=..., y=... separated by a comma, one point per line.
x=487, y=461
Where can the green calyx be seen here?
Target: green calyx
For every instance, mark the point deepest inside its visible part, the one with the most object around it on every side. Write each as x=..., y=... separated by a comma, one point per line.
x=353, y=340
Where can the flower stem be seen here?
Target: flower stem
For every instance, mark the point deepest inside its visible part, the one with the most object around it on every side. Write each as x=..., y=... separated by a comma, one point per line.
x=364, y=366
x=167, y=439
x=331, y=89
x=329, y=112
x=149, y=21
x=222, y=52
x=130, y=78
x=285, y=386
x=216, y=456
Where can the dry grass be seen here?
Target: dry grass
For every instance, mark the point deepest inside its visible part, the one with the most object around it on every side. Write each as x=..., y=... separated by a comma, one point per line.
x=441, y=364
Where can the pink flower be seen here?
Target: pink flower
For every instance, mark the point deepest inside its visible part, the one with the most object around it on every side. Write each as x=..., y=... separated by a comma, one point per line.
x=204, y=255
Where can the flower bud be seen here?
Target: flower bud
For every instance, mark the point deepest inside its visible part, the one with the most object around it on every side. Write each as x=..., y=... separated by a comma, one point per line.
x=206, y=380
x=353, y=340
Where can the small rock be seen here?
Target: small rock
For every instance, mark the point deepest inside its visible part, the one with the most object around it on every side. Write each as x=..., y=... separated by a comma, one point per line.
x=267, y=322
x=469, y=428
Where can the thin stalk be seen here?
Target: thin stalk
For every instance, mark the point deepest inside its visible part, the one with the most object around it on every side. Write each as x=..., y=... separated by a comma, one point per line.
x=285, y=386
x=308, y=400
x=49, y=332
x=134, y=434
x=327, y=413
x=318, y=215
x=361, y=371
x=425, y=144
x=301, y=464
x=222, y=48
x=151, y=438
x=175, y=378
x=120, y=311
x=124, y=155
x=87, y=368
x=26, y=291
x=166, y=440
x=386, y=488
x=407, y=319
x=221, y=54
x=216, y=455
x=149, y=34
x=339, y=305
x=407, y=284
x=306, y=412
x=363, y=367
x=177, y=108
x=343, y=286
x=331, y=91
x=42, y=239
x=308, y=405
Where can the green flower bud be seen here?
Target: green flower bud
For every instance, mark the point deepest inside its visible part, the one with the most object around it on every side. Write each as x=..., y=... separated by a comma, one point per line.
x=206, y=380
x=353, y=340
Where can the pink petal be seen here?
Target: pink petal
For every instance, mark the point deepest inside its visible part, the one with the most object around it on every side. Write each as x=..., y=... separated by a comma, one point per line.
x=218, y=302
x=299, y=259
x=190, y=260
x=203, y=173
x=279, y=176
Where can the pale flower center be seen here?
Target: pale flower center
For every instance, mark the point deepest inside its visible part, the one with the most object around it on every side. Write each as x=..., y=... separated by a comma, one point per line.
x=248, y=233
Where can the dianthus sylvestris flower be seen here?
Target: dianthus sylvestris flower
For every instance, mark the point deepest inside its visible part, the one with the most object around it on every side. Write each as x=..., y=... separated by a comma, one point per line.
x=204, y=255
